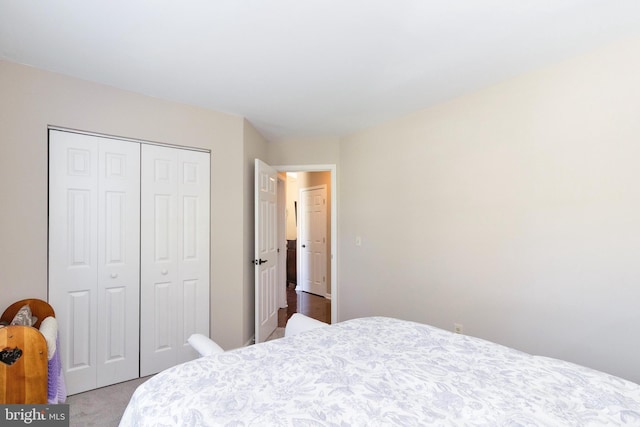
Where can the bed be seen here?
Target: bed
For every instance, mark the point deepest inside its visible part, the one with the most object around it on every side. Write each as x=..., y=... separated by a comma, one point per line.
x=382, y=371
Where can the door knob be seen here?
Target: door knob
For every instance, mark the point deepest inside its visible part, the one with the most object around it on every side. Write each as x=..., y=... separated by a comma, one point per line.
x=259, y=261
x=304, y=246
x=114, y=275
x=164, y=272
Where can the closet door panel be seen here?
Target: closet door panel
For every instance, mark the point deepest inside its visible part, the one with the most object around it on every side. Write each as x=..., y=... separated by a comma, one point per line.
x=119, y=261
x=160, y=296
x=175, y=254
x=193, y=246
x=115, y=324
x=73, y=255
x=163, y=332
x=79, y=334
x=190, y=316
x=94, y=191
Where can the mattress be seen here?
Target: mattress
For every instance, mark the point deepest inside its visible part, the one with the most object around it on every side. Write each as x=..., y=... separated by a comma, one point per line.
x=382, y=371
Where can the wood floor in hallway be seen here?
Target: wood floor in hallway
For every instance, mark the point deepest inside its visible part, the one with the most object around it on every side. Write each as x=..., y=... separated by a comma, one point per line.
x=311, y=305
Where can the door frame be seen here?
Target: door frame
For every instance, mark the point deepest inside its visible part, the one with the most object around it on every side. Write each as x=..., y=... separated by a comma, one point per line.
x=333, y=253
x=282, y=242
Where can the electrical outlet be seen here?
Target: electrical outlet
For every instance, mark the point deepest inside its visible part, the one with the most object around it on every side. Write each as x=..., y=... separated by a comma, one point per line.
x=457, y=328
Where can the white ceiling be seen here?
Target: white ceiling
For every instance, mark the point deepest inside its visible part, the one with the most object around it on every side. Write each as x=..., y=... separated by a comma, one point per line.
x=306, y=68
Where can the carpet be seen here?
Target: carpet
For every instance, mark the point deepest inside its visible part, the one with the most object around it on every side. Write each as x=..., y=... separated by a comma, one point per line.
x=102, y=407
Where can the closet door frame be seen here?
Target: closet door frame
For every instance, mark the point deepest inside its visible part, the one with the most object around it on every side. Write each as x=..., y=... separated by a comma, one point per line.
x=90, y=308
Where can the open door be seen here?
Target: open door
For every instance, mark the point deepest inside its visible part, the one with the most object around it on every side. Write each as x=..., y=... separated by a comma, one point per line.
x=266, y=250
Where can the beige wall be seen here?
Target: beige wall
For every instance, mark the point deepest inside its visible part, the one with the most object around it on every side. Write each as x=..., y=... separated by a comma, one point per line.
x=304, y=151
x=514, y=211
x=32, y=99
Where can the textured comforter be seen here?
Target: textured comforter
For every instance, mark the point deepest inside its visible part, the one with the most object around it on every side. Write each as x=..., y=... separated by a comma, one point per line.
x=382, y=371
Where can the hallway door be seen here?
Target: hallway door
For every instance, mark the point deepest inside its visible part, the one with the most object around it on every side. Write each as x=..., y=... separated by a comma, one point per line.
x=313, y=240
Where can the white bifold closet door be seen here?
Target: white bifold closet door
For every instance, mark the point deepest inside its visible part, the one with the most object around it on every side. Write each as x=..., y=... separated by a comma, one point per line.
x=174, y=255
x=94, y=186
x=128, y=255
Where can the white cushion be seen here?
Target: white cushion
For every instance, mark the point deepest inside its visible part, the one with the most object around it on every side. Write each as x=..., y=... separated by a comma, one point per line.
x=204, y=345
x=300, y=323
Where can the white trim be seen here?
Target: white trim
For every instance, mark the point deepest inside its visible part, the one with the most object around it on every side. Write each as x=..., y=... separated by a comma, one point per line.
x=282, y=243
x=122, y=138
x=334, y=224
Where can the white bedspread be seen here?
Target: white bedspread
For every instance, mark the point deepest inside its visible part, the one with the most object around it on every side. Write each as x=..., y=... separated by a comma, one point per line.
x=382, y=371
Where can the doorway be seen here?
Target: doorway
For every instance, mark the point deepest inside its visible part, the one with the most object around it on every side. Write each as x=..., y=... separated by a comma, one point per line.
x=324, y=305
x=270, y=244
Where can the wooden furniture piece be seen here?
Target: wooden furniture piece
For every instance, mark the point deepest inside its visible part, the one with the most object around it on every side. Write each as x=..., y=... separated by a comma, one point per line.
x=25, y=380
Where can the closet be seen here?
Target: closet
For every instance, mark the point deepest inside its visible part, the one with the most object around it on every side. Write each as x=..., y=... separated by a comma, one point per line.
x=128, y=255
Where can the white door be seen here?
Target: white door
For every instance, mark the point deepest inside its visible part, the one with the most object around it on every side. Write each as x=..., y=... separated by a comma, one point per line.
x=266, y=250
x=94, y=257
x=174, y=275
x=313, y=240
x=118, y=344
x=194, y=172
